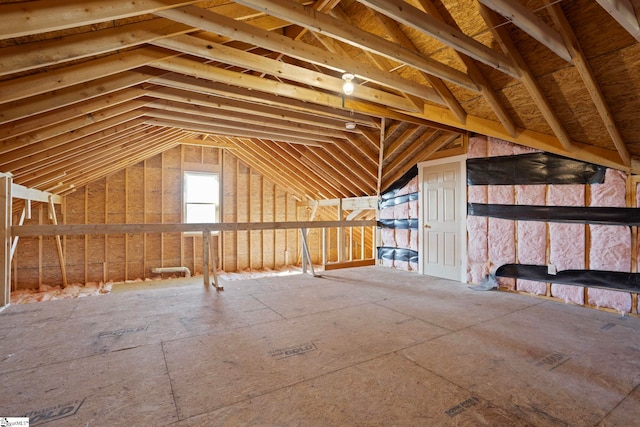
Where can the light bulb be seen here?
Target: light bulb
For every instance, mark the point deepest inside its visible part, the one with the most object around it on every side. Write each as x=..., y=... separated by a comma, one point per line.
x=347, y=87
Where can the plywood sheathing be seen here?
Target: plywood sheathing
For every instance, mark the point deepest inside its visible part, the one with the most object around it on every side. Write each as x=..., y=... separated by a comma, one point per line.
x=297, y=349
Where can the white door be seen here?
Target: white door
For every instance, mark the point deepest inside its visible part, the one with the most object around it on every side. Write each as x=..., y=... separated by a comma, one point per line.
x=443, y=219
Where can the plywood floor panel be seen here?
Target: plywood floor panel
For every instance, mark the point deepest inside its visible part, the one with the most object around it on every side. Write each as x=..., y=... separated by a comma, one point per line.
x=365, y=346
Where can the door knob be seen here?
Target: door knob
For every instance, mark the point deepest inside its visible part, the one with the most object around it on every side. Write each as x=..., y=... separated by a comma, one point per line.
x=427, y=226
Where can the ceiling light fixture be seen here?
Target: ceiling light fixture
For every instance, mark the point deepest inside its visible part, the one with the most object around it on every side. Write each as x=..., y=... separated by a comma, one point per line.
x=350, y=125
x=348, y=87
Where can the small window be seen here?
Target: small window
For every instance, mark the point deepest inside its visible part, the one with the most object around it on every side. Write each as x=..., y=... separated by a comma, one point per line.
x=201, y=197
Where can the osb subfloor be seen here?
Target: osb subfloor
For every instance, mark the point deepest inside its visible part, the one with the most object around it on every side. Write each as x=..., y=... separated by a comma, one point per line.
x=358, y=347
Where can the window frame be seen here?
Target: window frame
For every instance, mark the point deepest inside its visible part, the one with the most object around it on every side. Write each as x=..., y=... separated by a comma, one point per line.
x=185, y=202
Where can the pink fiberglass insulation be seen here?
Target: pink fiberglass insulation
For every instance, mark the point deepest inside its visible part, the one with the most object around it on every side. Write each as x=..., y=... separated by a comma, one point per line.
x=413, y=242
x=388, y=236
x=531, y=237
x=403, y=237
x=501, y=237
x=521, y=149
x=413, y=209
x=410, y=187
x=477, y=147
x=387, y=213
x=610, y=247
x=477, y=194
x=402, y=265
x=613, y=192
x=388, y=262
x=477, y=251
x=567, y=241
x=499, y=147
x=401, y=211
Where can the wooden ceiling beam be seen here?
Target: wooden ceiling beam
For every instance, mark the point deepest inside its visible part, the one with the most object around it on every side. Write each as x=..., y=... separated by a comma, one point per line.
x=71, y=125
x=23, y=19
x=251, y=153
x=218, y=24
x=246, y=117
x=9, y=148
x=43, y=82
x=83, y=108
x=338, y=168
x=533, y=139
x=214, y=51
x=237, y=106
x=66, y=97
x=392, y=176
x=584, y=69
x=96, y=164
x=106, y=167
x=365, y=173
x=412, y=150
x=623, y=12
x=342, y=189
x=60, y=157
x=450, y=36
x=368, y=161
x=289, y=159
x=269, y=132
x=325, y=24
x=528, y=22
x=528, y=79
x=201, y=86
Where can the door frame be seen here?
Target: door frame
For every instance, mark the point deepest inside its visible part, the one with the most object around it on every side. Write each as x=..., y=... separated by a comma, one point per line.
x=461, y=160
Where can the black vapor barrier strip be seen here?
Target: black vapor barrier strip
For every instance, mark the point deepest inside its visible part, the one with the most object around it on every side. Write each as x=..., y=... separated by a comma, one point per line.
x=567, y=214
x=393, y=189
x=614, y=280
x=398, y=254
x=404, y=224
x=534, y=168
x=382, y=203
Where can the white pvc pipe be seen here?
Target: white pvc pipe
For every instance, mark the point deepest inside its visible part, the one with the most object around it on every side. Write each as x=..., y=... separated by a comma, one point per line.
x=185, y=270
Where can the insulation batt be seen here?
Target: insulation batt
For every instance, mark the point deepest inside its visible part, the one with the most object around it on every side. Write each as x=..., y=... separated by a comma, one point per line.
x=410, y=187
x=387, y=213
x=567, y=241
x=403, y=238
x=388, y=236
x=501, y=232
x=477, y=252
x=498, y=147
x=610, y=244
x=477, y=147
x=413, y=242
x=413, y=208
x=531, y=237
x=401, y=211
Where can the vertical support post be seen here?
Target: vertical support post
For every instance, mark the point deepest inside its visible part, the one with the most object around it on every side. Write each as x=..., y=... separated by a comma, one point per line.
x=340, y=234
x=5, y=239
x=63, y=266
x=206, y=236
x=306, y=257
x=214, y=265
x=324, y=247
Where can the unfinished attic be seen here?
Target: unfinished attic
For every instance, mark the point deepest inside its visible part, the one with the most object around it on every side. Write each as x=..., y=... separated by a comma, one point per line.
x=404, y=154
